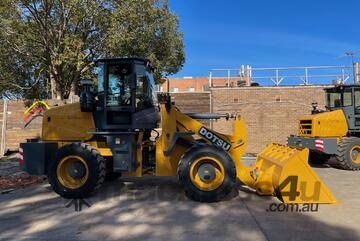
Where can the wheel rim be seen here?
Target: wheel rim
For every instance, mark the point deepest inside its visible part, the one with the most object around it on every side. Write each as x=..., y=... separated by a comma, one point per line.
x=207, y=173
x=355, y=154
x=72, y=172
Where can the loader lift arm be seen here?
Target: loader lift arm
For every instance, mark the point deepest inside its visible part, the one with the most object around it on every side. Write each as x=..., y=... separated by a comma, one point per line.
x=275, y=167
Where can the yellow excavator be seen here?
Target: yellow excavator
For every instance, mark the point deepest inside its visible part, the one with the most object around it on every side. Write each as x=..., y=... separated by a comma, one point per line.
x=114, y=131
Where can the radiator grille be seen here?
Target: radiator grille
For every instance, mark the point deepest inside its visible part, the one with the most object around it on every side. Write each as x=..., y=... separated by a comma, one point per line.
x=306, y=127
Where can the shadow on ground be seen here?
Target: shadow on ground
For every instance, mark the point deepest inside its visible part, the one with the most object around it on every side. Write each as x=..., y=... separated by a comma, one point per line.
x=154, y=208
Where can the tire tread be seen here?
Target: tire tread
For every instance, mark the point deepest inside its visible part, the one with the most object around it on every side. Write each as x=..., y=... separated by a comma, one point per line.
x=344, y=147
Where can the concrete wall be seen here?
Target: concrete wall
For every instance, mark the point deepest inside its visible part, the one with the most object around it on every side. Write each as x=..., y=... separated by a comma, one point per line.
x=271, y=113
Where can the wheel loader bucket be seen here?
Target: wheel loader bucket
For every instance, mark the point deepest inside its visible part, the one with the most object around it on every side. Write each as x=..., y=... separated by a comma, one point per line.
x=284, y=171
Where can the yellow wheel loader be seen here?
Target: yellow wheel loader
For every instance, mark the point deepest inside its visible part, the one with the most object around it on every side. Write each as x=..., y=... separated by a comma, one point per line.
x=114, y=131
x=334, y=131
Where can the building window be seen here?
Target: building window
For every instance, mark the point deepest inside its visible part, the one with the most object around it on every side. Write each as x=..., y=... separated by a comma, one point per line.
x=174, y=89
x=206, y=87
x=190, y=89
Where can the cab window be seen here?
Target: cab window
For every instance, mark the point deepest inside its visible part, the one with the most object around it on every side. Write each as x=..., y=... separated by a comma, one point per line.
x=152, y=85
x=145, y=88
x=339, y=98
x=357, y=101
x=119, y=85
x=347, y=97
x=333, y=99
x=99, y=71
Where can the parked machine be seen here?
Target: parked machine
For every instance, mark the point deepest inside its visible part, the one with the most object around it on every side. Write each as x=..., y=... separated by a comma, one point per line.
x=334, y=131
x=34, y=111
x=113, y=131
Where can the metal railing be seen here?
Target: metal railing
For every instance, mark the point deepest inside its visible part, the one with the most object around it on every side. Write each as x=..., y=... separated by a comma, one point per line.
x=308, y=75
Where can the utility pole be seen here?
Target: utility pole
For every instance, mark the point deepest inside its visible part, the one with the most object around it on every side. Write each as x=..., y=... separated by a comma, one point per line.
x=352, y=55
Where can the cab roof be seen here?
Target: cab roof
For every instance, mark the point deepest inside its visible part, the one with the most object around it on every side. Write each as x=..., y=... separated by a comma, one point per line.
x=146, y=62
x=122, y=59
x=341, y=87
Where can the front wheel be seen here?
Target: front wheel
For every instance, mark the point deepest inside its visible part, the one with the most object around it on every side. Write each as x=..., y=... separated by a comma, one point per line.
x=77, y=171
x=348, y=156
x=207, y=173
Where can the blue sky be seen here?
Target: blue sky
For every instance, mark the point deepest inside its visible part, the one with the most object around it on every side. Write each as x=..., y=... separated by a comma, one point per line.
x=267, y=33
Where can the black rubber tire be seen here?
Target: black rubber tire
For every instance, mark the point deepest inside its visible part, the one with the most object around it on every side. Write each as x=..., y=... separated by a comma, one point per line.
x=343, y=155
x=318, y=158
x=96, y=165
x=191, y=190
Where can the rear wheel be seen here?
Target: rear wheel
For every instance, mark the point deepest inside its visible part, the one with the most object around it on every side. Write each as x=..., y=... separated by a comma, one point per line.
x=348, y=156
x=207, y=173
x=77, y=171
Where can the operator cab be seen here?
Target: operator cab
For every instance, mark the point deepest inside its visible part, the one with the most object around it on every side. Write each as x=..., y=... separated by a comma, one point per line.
x=342, y=96
x=126, y=94
x=346, y=98
x=124, y=108
x=338, y=97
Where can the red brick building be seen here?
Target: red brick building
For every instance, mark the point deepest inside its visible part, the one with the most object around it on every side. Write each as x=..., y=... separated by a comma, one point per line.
x=201, y=84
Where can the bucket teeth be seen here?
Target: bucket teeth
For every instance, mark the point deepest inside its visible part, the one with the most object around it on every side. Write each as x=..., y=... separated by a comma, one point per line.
x=284, y=171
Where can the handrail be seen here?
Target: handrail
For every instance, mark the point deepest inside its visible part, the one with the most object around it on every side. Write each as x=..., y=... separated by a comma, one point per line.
x=277, y=75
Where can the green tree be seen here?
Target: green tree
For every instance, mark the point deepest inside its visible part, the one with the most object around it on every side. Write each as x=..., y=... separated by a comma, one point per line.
x=18, y=69
x=47, y=46
x=147, y=28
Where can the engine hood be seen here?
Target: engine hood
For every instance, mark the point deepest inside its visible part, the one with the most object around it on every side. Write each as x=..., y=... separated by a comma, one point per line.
x=326, y=124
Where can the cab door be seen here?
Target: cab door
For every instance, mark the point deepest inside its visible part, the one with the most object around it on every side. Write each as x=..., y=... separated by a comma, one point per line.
x=147, y=114
x=119, y=95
